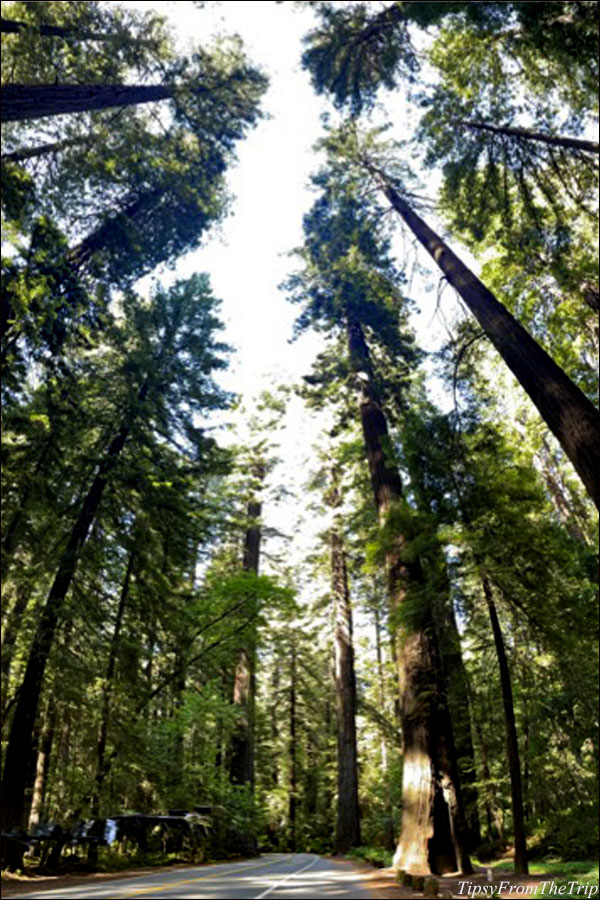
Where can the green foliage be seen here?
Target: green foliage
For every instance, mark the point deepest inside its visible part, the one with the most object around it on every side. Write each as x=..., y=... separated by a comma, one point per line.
x=353, y=52
x=150, y=631
x=374, y=855
x=100, y=199
x=117, y=40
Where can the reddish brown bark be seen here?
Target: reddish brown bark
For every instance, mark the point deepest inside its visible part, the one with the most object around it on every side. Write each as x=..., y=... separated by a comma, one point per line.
x=241, y=762
x=347, y=834
x=569, y=414
x=433, y=835
x=37, y=101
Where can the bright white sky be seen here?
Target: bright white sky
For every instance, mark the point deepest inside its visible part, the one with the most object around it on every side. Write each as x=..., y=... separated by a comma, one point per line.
x=249, y=257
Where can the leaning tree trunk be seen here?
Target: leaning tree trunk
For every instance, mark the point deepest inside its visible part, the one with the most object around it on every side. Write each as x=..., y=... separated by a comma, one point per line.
x=16, y=525
x=26, y=153
x=10, y=634
x=37, y=101
x=11, y=26
x=347, y=834
x=555, y=140
x=512, y=744
x=13, y=781
x=114, y=228
x=433, y=835
x=569, y=414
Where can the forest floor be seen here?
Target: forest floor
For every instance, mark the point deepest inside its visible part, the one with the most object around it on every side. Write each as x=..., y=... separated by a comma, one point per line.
x=508, y=884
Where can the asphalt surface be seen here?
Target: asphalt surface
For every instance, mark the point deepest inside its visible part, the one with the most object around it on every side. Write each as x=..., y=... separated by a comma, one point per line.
x=303, y=876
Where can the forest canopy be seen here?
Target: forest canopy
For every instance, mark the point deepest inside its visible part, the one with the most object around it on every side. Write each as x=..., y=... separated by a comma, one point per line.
x=345, y=600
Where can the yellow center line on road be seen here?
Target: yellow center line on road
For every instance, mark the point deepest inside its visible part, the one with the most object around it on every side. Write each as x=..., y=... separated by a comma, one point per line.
x=130, y=892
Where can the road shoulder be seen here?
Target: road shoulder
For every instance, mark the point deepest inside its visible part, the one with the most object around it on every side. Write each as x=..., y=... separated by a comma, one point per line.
x=15, y=886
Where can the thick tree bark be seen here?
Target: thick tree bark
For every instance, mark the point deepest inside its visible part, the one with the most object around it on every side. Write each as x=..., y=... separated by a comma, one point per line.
x=390, y=837
x=251, y=557
x=512, y=744
x=433, y=834
x=555, y=140
x=381, y=691
x=21, y=102
x=13, y=781
x=42, y=766
x=569, y=414
x=241, y=766
x=347, y=834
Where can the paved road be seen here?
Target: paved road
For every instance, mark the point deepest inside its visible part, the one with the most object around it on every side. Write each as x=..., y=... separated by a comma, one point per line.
x=276, y=875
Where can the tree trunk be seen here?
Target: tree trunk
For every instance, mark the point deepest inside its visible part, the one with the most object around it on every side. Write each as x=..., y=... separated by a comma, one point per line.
x=10, y=26
x=569, y=414
x=293, y=794
x=107, y=691
x=176, y=768
x=36, y=101
x=114, y=227
x=570, y=510
x=42, y=766
x=347, y=833
x=13, y=781
x=274, y=725
x=10, y=633
x=241, y=769
x=555, y=140
x=14, y=530
x=241, y=766
x=433, y=835
x=390, y=838
x=512, y=744
x=381, y=691
x=311, y=776
x=45, y=149
x=460, y=710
